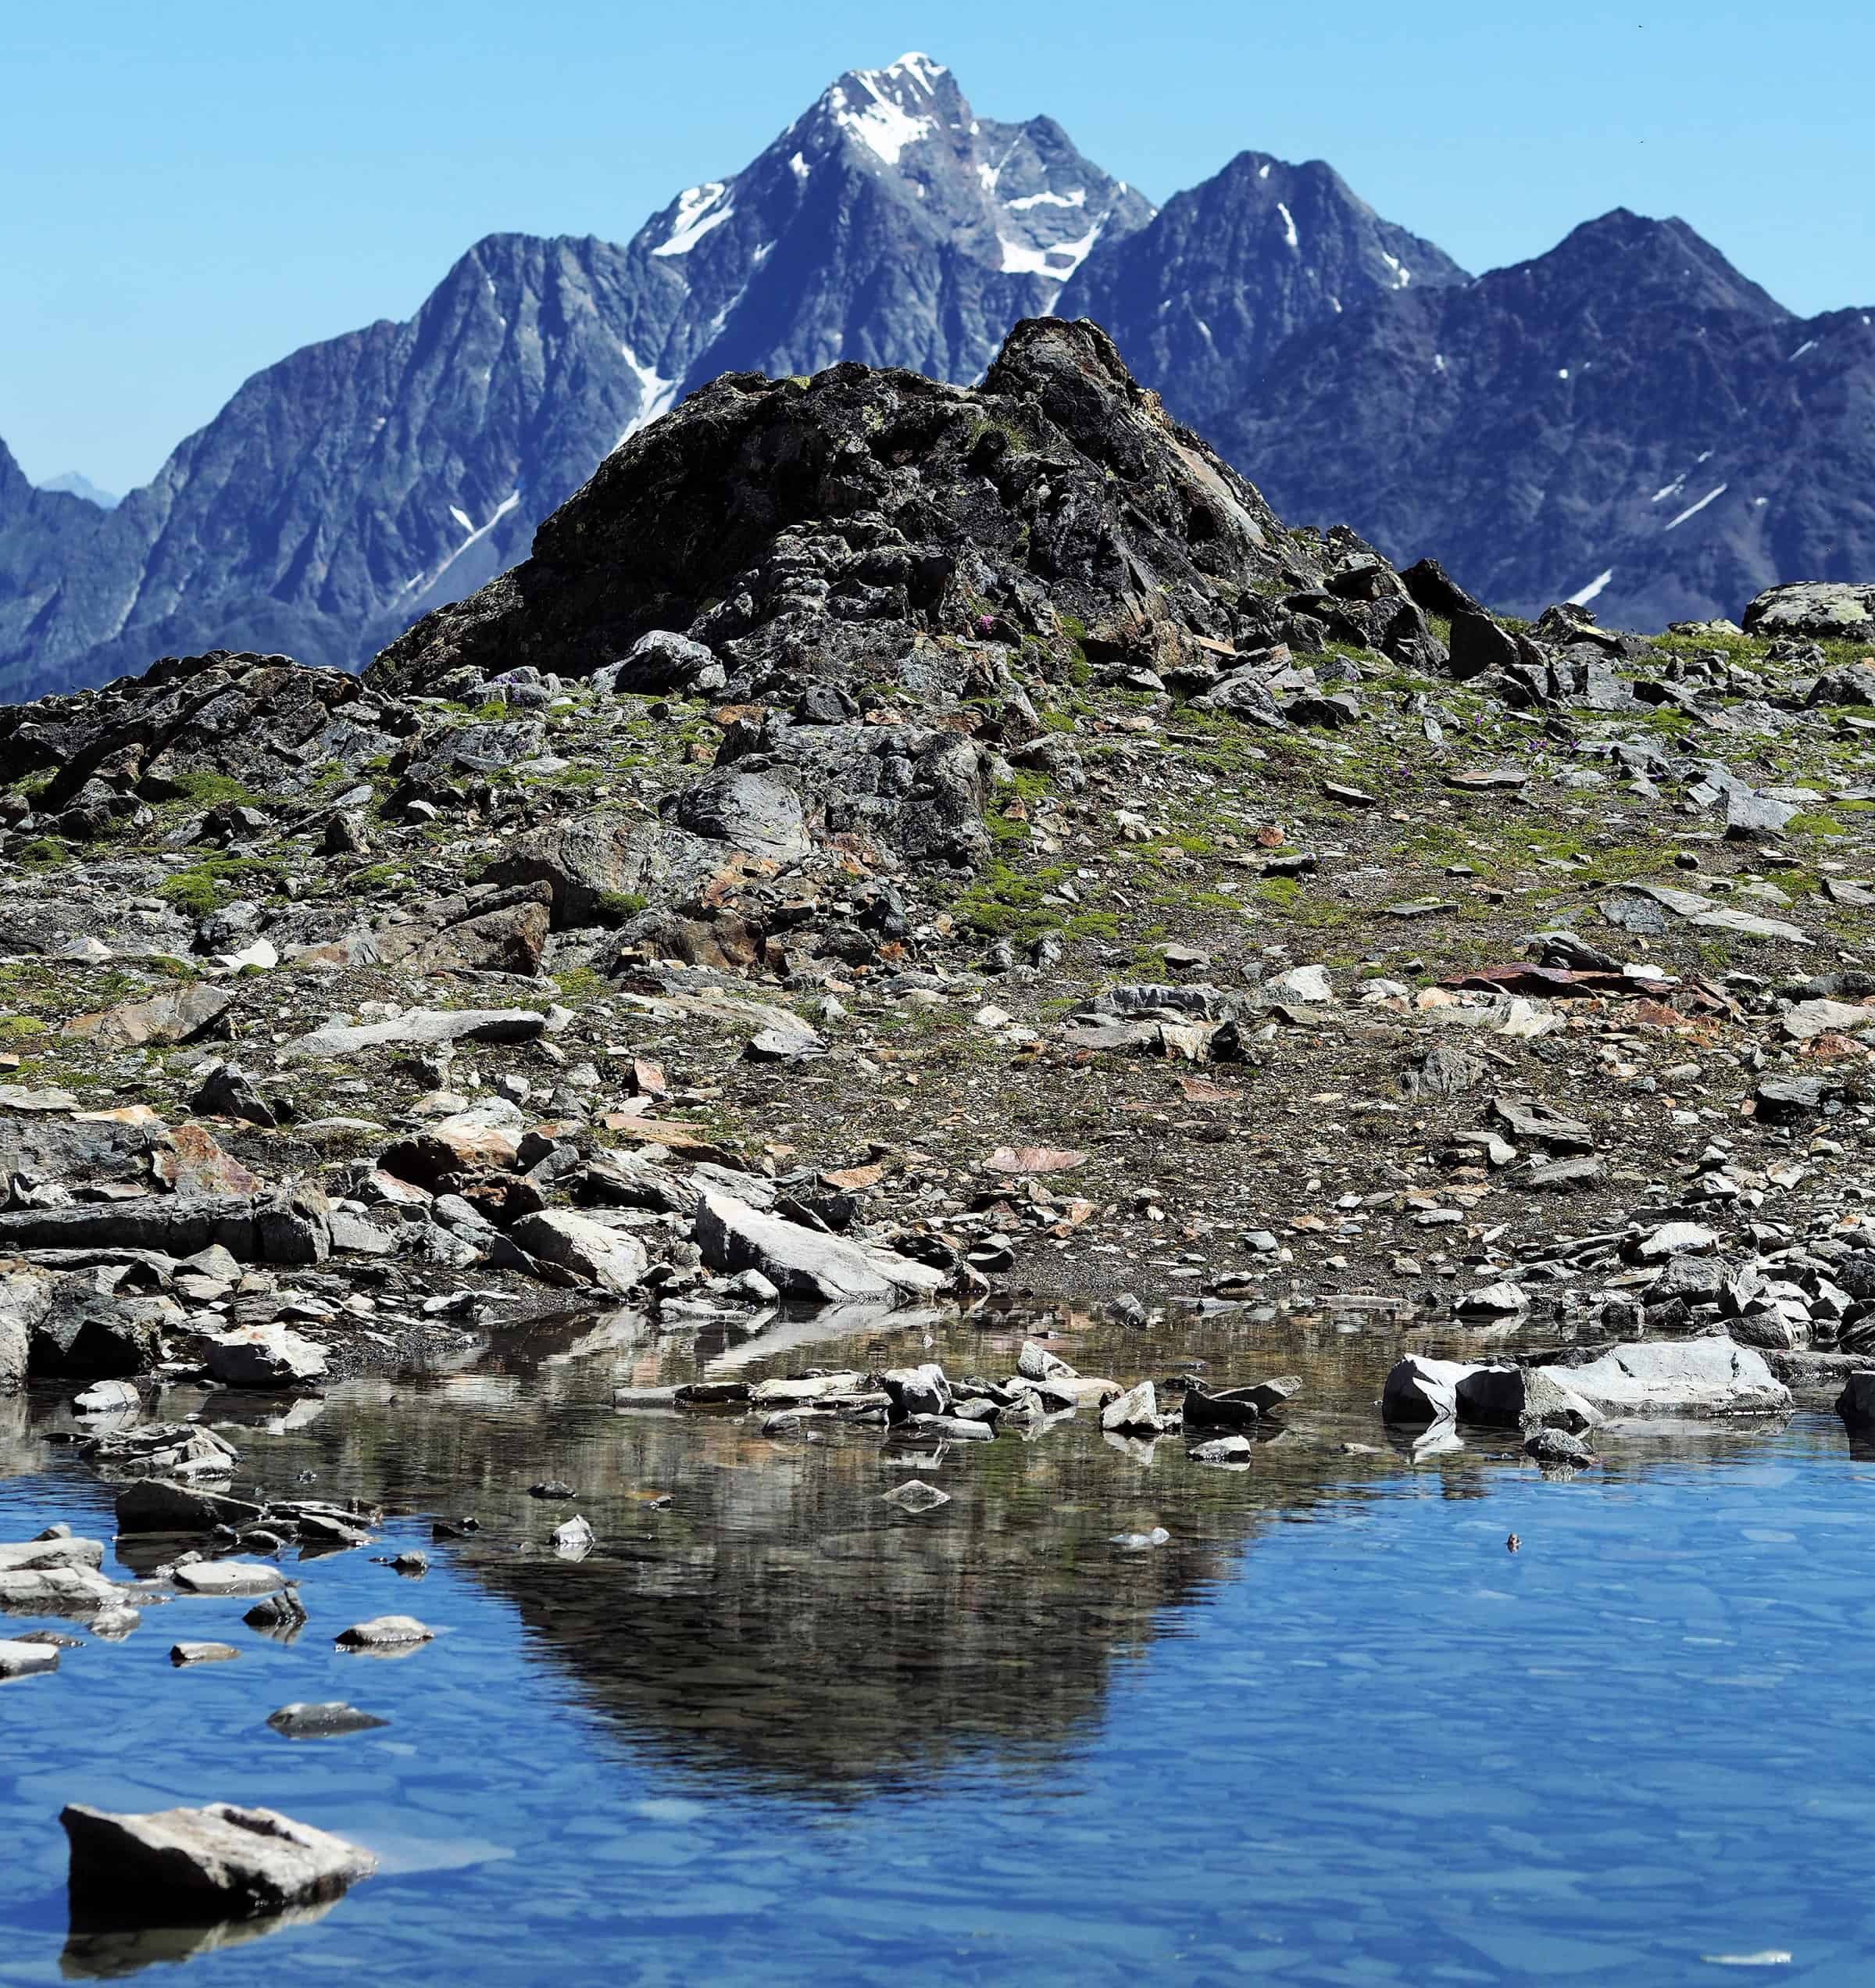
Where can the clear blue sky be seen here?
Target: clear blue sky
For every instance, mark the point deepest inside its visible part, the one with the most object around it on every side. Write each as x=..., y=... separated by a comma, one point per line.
x=193, y=189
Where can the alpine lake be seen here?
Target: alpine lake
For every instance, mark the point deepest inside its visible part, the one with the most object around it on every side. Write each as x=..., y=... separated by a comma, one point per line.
x=774, y=1727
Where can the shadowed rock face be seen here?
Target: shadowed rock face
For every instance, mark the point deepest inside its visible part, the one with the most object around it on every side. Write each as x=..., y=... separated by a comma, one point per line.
x=872, y=522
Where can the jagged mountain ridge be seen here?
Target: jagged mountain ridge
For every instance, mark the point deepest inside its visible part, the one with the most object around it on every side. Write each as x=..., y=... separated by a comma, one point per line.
x=345, y=491
x=1626, y=419
x=1349, y=367
x=1200, y=298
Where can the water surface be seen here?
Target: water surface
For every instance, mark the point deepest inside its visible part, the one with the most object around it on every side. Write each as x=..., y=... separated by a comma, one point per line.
x=777, y=1729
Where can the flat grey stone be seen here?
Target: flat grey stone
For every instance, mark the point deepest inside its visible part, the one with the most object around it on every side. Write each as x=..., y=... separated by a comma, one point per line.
x=19, y=1660
x=385, y=1632
x=229, y=1578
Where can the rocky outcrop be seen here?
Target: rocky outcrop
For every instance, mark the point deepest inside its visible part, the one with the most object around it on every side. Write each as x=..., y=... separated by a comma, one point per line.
x=1815, y=611
x=867, y=524
x=291, y=1228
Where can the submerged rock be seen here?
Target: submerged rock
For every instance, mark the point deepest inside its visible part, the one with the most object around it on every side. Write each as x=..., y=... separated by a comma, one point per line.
x=19, y=1660
x=385, y=1632
x=233, y=1578
x=329, y=1721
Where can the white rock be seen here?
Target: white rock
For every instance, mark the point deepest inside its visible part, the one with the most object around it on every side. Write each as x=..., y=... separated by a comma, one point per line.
x=1136, y=1411
x=219, y=1862
x=385, y=1632
x=1679, y=1377
x=573, y=1540
x=803, y=1263
x=264, y=1356
x=19, y=1660
x=1307, y=984
x=1036, y=1362
x=229, y=1578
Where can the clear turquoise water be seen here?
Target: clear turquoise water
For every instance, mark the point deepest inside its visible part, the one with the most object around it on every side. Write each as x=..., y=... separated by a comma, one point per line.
x=778, y=1731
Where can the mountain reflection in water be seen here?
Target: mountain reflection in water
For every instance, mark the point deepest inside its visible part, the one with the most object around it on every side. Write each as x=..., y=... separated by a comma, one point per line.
x=779, y=1729
x=779, y=1617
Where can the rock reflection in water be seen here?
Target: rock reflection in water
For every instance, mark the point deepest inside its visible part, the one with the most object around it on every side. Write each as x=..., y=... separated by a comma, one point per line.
x=781, y=1617
x=97, y=1951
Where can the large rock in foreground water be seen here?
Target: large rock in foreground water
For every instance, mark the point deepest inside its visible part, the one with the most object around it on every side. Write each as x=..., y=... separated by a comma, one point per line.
x=1679, y=1377
x=222, y=1861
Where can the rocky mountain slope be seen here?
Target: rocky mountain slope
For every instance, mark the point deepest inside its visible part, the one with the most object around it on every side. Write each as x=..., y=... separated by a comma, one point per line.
x=1625, y=420
x=1200, y=300
x=344, y=492
x=973, y=845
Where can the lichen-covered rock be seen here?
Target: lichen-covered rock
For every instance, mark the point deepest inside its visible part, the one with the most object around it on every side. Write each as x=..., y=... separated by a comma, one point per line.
x=1814, y=610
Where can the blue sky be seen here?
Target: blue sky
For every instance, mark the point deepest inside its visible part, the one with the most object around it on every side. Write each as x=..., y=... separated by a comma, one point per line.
x=193, y=190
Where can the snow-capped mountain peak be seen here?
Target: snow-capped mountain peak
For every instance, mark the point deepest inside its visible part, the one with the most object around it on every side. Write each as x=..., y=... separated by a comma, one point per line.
x=886, y=109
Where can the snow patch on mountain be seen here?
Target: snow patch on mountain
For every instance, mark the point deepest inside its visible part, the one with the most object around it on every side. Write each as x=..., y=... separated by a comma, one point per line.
x=658, y=394
x=884, y=124
x=422, y=582
x=699, y=211
x=1693, y=510
x=1077, y=198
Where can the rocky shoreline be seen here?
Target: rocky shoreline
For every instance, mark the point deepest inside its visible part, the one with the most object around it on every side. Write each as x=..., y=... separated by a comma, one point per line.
x=895, y=842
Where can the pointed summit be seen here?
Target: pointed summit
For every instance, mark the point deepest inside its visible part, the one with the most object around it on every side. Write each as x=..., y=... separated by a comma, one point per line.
x=889, y=223
x=886, y=110
x=362, y=481
x=1201, y=298
x=1647, y=261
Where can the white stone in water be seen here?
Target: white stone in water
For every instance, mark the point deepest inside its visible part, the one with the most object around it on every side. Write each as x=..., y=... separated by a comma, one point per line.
x=573, y=1540
x=19, y=1660
x=1136, y=1410
x=229, y=1578
x=181, y=1653
x=385, y=1632
x=916, y=1496
x=220, y=1862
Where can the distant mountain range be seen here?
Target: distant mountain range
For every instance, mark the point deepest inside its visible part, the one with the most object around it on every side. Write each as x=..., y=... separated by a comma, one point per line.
x=78, y=484
x=1625, y=419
